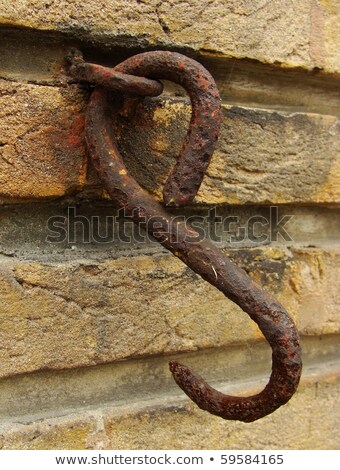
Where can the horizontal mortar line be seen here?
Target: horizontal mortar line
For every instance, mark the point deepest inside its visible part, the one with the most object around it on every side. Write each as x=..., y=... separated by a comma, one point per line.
x=105, y=48
x=173, y=399
x=227, y=70
x=286, y=110
x=226, y=103
x=100, y=256
x=67, y=201
x=16, y=246
x=311, y=374
x=24, y=81
x=151, y=381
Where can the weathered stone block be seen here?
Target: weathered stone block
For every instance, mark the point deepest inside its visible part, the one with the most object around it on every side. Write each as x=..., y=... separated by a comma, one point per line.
x=185, y=427
x=176, y=423
x=42, y=153
x=65, y=315
x=261, y=157
x=277, y=32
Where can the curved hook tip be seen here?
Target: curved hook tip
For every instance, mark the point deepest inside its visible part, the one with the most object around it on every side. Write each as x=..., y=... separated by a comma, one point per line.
x=177, y=369
x=192, y=384
x=246, y=409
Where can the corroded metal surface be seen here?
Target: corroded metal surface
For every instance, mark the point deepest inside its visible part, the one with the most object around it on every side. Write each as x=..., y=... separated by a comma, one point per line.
x=200, y=255
x=110, y=78
x=187, y=175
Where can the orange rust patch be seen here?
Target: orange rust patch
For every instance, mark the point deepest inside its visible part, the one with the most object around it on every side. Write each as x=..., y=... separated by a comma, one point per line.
x=76, y=133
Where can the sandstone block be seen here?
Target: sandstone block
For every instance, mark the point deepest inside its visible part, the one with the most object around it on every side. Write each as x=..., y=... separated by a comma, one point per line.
x=175, y=423
x=279, y=32
x=66, y=315
x=42, y=152
x=261, y=157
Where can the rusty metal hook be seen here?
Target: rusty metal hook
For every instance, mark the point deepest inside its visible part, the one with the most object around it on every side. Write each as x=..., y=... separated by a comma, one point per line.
x=201, y=256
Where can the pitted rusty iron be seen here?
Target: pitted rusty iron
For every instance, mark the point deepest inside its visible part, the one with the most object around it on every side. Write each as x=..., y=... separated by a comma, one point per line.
x=181, y=187
x=110, y=78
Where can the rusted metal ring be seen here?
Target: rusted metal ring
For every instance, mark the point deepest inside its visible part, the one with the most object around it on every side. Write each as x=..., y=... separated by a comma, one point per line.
x=187, y=175
x=201, y=256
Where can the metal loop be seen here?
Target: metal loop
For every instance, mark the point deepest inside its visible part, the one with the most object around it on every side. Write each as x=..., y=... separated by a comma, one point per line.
x=201, y=256
x=186, y=177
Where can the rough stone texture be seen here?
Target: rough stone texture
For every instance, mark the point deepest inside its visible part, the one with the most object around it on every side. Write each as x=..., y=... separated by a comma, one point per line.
x=306, y=422
x=42, y=153
x=262, y=156
x=185, y=427
x=281, y=32
x=66, y=315
x=39, y=57
x=67, y=433
x=48, y=394
x=317, y=286
x=329, y=21
x=30, y=58
x=94, y=231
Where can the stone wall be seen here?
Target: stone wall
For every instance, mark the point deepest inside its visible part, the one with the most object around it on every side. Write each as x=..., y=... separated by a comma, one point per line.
x=87, y=328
